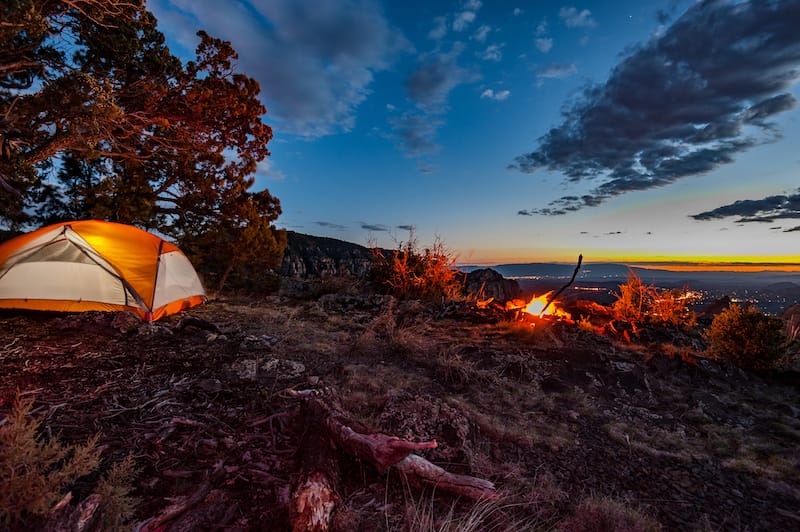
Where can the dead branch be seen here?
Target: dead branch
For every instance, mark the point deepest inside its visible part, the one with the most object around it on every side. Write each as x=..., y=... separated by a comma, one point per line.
x=384, y=451
x=575, y=273
x=419, y=471
x=84, y=516
x=178, y=508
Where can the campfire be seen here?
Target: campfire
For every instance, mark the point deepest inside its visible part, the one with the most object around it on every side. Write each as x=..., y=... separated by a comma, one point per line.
x=537, y=307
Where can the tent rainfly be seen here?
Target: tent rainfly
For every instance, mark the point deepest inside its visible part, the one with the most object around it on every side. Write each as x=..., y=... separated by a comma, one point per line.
x=93, y=265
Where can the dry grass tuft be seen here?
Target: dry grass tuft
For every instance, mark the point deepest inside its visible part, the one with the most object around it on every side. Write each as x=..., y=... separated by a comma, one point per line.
x=424, y=515
x=595, y=514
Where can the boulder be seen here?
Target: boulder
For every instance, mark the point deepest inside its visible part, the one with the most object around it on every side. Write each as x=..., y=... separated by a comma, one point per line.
x=486, y=283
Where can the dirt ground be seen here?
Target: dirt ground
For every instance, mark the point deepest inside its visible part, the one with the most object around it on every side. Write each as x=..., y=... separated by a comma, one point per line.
x=553, y=414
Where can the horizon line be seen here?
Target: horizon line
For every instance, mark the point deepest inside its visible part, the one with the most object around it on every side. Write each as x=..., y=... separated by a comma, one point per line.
x=674, y=265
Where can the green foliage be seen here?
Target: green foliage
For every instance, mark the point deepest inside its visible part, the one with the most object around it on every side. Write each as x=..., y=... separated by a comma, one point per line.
x=411, y=273
x=35, y=473
x=119, y=129
x=638, y=302
x=747, y=337
x=243, y=248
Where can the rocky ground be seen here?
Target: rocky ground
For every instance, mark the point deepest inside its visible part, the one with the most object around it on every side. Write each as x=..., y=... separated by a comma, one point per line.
x=553, y=415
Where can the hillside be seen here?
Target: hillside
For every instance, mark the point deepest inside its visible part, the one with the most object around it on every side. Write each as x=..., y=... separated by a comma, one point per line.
x=213, y=412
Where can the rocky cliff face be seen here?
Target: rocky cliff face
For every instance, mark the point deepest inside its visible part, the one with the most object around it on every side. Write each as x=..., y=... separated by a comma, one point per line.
x=314, y=257
x=309, y=256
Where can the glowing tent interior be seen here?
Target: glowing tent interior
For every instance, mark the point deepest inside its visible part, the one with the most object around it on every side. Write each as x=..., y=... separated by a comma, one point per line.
x=94, y=265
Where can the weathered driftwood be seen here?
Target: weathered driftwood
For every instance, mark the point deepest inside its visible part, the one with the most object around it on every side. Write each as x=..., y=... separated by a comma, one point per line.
x=314, y=497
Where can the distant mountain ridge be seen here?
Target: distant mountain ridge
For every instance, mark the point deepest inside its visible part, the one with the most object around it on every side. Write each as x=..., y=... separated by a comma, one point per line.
x=603, y=272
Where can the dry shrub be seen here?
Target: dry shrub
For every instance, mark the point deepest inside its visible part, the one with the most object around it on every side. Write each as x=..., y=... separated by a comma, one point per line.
x=747, y=337
x=411, y=273
x=606, y=515
x=115, y=488
x=34, y=473
x=638, y=302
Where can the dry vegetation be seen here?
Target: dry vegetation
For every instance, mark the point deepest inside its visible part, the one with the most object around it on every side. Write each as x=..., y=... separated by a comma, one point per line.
x=577, y=423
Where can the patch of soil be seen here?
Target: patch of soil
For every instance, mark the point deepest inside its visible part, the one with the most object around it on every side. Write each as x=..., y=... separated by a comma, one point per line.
x=550, y=415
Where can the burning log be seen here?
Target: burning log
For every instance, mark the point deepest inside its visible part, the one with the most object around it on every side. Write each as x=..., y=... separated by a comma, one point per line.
x=314, y=497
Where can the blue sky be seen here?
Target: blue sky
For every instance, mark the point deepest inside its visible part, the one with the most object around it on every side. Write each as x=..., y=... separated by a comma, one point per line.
x=526, y=131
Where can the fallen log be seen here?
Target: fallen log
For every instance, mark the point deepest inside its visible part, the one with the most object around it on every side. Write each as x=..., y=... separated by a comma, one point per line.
x=314, y=497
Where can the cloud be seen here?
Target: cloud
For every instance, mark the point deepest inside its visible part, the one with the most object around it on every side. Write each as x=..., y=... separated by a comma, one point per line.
x=492, y=95
x=541, y=29
x=415, y=133
x=266, y=168
x=726, y=70
x=429, y=85
x=481, y=33
x=331, y=225
x=768, y=209
x=425, y=167
x=517, y=11
x=440, y=30
x=793, y=229
x=465, y=18
x=373, y=227
x=554, y=71
x=544, y=44
x=407, y=227
x=577, y=19
x=315, y=61
x=493, y=52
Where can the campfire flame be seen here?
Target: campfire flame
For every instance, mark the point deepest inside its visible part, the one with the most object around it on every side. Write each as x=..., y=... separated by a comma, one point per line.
x=536, y=307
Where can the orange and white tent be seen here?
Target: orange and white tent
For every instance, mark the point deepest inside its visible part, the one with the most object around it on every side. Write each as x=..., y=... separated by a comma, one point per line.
x=94, y=265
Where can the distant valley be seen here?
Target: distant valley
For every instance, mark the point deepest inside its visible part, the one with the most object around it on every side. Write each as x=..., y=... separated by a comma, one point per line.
x=772, y=291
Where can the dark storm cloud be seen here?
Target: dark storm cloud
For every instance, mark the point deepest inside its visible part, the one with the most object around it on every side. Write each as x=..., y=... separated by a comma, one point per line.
x=315, y=60
x=331, y=225
x=374, y=227
x=767, y=209
x=681, y=105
